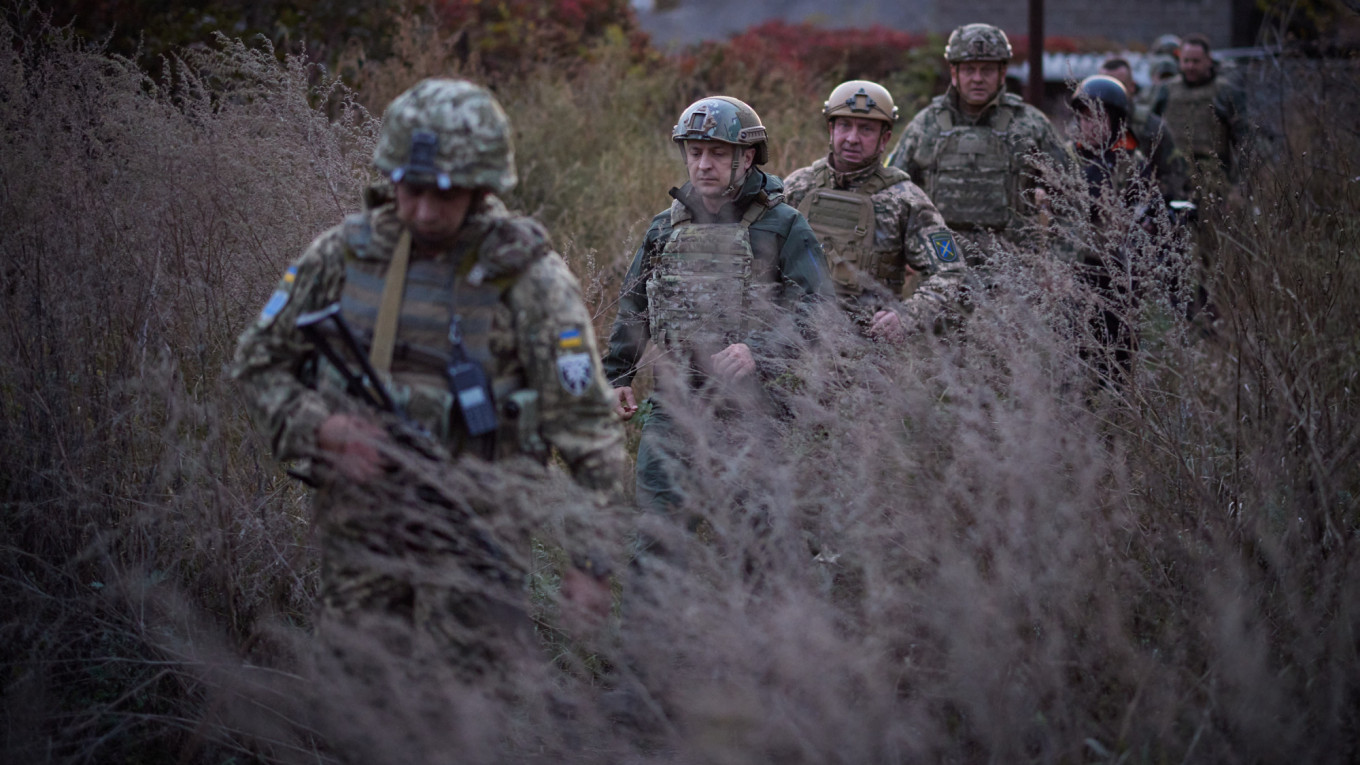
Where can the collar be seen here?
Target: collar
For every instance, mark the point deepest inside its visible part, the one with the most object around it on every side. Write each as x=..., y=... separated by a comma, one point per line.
x=851, y=179
x=951, y=99
x=732, y=209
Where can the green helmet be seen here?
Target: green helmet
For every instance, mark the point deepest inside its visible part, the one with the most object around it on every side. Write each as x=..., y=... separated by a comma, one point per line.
x=722, y=118
x=977, y=42
x=447, y=133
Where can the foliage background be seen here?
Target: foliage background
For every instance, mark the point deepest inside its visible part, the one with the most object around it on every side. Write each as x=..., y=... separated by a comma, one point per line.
x=1012, y=561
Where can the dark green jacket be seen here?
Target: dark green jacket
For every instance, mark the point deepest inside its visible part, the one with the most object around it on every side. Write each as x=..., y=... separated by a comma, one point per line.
x=780, y=237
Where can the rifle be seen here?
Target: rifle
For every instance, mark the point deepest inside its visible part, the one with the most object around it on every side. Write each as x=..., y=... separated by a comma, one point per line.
x=366, y=384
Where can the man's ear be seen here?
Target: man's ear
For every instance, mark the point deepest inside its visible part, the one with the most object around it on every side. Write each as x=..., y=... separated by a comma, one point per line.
x=885, y=139
x=748, y=157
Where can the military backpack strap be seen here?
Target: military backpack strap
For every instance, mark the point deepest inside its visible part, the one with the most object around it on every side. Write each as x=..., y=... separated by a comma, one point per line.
x=389, y=310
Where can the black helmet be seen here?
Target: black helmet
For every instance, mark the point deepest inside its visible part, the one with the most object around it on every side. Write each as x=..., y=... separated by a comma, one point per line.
x=1104, y=90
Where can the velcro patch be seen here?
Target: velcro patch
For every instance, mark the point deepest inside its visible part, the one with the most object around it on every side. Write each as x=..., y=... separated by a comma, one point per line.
x=570, y=339
x=279, y=299
x=575, y=371
x=944, y=246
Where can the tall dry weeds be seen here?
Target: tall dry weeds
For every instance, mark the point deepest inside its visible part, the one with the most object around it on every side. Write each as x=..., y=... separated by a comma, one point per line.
x=965, y=549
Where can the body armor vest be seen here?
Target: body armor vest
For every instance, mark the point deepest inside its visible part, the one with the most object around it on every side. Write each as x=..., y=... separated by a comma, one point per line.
x=423, y=350
x=845, y=223
x=1190, y=113
x=972, y=177
x=703, y=287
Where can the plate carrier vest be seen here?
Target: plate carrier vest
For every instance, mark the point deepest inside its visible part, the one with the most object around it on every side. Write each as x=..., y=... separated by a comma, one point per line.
x=972, y=176
x=423, y=351
x=845, y=224
x=1190, y=113
x=701, y=288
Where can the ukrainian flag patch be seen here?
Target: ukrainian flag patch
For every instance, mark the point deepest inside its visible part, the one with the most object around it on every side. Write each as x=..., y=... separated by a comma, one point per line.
x=570, y=339
x=279, y=299
x=944, y=246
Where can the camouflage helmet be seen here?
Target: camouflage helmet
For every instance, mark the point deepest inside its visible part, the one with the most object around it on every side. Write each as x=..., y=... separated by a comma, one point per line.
x=1166, y=45
x=722, y=118
x=977, y=42
x=863, y=99
x=447, y=133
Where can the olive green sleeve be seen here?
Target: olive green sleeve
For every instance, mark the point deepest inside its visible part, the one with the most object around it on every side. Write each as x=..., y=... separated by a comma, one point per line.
x=271, y=354
x=630, y=332
x=558, y=349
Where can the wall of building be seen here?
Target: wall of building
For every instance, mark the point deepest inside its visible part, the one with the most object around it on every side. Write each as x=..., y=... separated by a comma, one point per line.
x=1124, y=22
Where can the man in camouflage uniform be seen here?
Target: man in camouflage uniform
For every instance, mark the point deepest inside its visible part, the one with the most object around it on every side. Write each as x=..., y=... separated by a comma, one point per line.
x=477, y=330
x=1207, y=114
x=1154, y=140
x=713, y=282
x=974, y=149
x=883, y=238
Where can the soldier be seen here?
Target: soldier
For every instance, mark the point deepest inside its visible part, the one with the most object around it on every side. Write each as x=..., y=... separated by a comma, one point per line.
x=477, y=329
x=1207, y=115
x=711, y=278
x=1154, y=140
x=877, y=228
x=973, y=148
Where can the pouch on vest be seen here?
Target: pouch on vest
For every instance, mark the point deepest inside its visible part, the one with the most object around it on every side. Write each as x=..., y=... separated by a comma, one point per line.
x=844, y=223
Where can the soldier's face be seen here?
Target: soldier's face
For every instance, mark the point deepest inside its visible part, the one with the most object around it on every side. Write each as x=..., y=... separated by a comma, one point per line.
x=1196, y=66
x=433, y=215
x=710, y=165
x=1124, y=76
x=977, y=81
x=855, y=140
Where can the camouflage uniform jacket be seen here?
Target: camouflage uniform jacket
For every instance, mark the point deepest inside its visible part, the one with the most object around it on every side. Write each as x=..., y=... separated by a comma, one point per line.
x=783, y=245
x=910, y=236
x=539, y=320
x=1027, y=132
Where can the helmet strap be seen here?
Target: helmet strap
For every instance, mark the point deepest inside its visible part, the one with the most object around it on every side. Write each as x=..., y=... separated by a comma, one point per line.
x=740, y=151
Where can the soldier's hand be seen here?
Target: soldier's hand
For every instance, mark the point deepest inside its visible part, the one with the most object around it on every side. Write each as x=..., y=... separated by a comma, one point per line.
x=349, y=442
x=888, y=326
x=625, y=405
x=733, y=363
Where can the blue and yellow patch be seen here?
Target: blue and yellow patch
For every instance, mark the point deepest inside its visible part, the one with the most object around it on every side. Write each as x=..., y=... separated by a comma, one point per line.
x=280, y=297
x=570, y=339
x=945, y=247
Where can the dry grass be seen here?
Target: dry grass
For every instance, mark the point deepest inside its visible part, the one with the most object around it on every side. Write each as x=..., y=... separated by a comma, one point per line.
x=968, y=549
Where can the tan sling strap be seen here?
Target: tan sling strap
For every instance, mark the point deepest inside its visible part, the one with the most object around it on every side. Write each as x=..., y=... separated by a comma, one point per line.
x=389, y=310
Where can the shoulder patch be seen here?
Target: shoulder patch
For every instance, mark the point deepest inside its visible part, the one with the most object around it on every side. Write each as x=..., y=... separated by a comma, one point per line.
x=943, y=244
x=575, y=367
x=279, y=299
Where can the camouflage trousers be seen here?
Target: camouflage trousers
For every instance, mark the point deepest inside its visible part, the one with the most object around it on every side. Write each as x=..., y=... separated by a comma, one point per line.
x=384, y=608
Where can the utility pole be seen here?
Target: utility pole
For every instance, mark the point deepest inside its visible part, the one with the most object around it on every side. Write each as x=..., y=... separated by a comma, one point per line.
x=1035, y=91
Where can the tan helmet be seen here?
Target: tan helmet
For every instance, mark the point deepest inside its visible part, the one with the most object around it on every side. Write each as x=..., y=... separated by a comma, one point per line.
x=863, y=99
x=977, y=42
x=447, y=133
